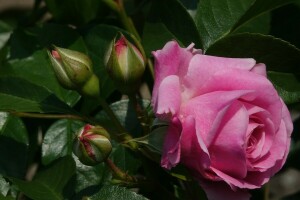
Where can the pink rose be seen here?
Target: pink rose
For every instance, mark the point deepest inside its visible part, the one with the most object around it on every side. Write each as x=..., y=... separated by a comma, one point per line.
x=227, y=124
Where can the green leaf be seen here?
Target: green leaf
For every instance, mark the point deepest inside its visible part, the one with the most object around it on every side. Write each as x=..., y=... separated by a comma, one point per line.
x=116, y=193
x=261, y=7
x=48, y=184
x=58, y=140
x=286, y=26
x=29, y=60
x=88, y=178
x=24, y=42
x=38, y=70
x=278, y=55
x=6, y=197
x=125, y=160
x=155, y=36
x=13, y=146
x=217, y=19
x=261, y=24
x=167, y=20
x=154, y=141
x=126, y=115
x=22, y=96
x=4, y=186
x=287, y=85
x=73, y=11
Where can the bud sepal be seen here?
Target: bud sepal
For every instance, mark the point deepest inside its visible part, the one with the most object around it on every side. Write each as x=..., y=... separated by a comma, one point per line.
x=74, y=71
x=92, y=145
x=125, y=65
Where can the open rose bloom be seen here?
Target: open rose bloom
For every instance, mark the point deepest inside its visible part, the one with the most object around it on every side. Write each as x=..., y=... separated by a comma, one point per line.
x=227, y=124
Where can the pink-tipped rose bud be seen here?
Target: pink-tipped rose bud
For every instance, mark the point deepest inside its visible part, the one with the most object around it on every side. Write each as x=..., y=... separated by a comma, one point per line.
x=125, y=65
x=92, y=145
x=74, y=71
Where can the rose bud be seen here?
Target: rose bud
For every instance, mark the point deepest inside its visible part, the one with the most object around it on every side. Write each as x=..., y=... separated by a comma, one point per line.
x=92, y=145
x=74, y=71
x=125, y=65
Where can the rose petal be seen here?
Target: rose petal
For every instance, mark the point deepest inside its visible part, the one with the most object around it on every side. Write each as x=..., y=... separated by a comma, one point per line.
x=227, y=150
x=171, y=147
x=233, y=79
x=169, y=98
x=276, y=152
x=257, y=134
x=268, y=128
x=221, y=191
x=171, y=60
x=260, y=68
x=206, y=107
x=202, y=67
x=246, y=183
x=194, y=152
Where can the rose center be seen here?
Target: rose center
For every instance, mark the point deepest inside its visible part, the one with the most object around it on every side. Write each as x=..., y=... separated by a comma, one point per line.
x=254, y=139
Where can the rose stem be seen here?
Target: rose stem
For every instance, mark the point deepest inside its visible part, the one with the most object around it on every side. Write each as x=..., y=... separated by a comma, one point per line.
x=119, y=173
x=141, y=114
x=122, y=136
x=53, y=116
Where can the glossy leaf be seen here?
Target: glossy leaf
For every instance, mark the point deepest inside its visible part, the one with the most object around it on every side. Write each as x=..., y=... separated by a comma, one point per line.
x=287, y=85
x=6, y=197
x=286, y=26
x=58, y=140
x=216, y=19
x=277, y=54
x=167, y=20
x=24, y=42
x=260, y=24
x=37, y=69
x=116, y=193
x=13, y=146
x=81, y=12
x=48, y=184
x=29, y=60
x=260, y=7
x=88, y=178
x=22, y=96
x=126, y=115
x=154, y=141
x=125, y=159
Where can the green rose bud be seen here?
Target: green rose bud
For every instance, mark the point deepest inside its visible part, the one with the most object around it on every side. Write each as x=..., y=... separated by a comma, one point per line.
x=92, y=145
x=74, y=71
x=125, y=65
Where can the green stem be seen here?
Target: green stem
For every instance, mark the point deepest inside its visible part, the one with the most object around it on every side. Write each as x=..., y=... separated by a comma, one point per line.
x=52, y=116
x=266, y=191
x=118, y=173
x=122, y=136
x=151, y=68
x=117, y=6
x=141, y=114
x=127, y=22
